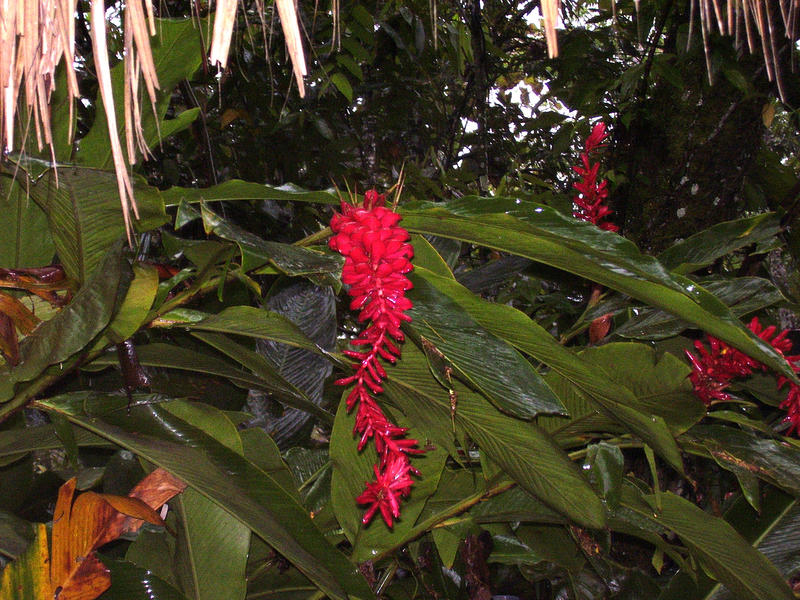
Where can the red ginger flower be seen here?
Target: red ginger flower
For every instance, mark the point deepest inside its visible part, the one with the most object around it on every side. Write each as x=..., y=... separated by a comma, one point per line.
x=592, y=194
x=717, y=366
x=377, y=257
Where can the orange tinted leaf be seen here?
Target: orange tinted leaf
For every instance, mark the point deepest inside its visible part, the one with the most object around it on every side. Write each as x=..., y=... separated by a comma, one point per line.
x=22, y=316
x=87, y=582
x=61, y=558
x=130, y=514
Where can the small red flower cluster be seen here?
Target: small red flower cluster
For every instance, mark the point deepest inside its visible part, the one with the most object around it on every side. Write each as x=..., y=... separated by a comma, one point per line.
x=592, y=194
x=377, y=257
x=716, y=366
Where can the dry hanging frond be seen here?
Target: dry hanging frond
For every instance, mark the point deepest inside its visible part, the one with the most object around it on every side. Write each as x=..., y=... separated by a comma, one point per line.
x=550, y=17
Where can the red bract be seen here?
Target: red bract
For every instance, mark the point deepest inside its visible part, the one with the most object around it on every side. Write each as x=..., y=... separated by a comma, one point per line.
x=592, y=194
x=714, y=368
x=377, y=257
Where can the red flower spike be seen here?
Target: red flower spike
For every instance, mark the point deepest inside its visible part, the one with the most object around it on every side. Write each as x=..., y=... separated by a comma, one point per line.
x=718, y=365
x=377, y=257
x=592, y=194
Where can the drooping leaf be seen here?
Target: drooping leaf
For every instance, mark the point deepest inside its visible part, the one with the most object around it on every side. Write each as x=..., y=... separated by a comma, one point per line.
x=703, y=248
x=722, y=551
x=507, y=379
x=740, y=450
x=616, y=401
x=83, y=211
x=744, y=295
x=544, y=235
x=523, y=451
x=220, y=474
x=235, y=189
x=74, y=326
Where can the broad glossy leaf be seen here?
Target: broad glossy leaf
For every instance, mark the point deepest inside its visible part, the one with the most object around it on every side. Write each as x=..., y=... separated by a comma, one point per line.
x=605, y=465
x=43, y=437
x=25, y=240
x=351, y=469
x=177, y=53
x=744, y=295
x=84, y=214
x=74, y=326
x=220, y=474
x=131, y=582
x=616, y=400
x=738, y=450
x=256, y=252
x=703, y=248
x=236, y=189
x=248, y=321
x=542, y=234
x=487, y=362
x=135, y=307
x=176, y=357
x=723, y=552
x=524, y=452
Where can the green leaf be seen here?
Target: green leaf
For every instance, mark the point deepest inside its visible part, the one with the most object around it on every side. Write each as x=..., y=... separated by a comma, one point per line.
x=605, y=464
x=15, y=535
x=352, y=468
x=211, y=544
x=176, y=357
x=135, y=308
x=343, y=85
x=702, y=249
x=28, y=576
x=291, y=260
x=177, y=53
x=73, y=327
x=524, y=452
x=236, y=189
x=221, y=475
x=135, y=583
x=722, y=551
x=542, y=234
x=738, y=450
x=486, y=361
x=25, y=240
x=251, y=322
x=616, y=401
x=773, y=531
x=743, y=295
x=18, y=442
x=83, y=210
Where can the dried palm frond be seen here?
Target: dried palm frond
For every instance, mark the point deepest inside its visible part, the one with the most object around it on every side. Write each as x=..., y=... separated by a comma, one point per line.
x=550, y=17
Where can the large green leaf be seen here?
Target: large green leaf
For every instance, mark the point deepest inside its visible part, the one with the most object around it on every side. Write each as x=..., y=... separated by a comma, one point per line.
x=132, y=582
x=256, y=252
x=765, y=530
x=743, y=295
x=542, y=234
x=74, y=326
x=236, y=189
x=722, y=551
x=740, y=450
x=25, y=239
x=176, y=357
x=525, y=452
x=177, y=53
x=211, y=544
x=616, y=400
x=221, y=475
x=83, y=210
x=248, y=321
x=486, y=361
x=705, y=247
x=18, y=442
x=352, y=468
